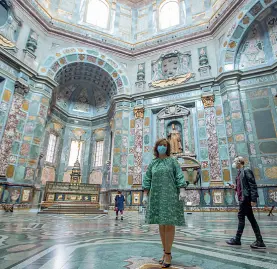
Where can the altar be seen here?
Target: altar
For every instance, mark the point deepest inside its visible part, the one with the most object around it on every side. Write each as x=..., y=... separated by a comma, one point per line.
x=70, y=198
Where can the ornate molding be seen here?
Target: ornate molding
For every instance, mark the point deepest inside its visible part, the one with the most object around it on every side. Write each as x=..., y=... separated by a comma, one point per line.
x=208, y=100
x=139, y=112
x=173, y=111
x=20, y=88
x=4, y=42
x=172, y=81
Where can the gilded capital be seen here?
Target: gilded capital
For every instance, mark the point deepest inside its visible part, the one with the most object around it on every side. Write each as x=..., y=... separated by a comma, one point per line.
x=139, y=112
x=208, y=101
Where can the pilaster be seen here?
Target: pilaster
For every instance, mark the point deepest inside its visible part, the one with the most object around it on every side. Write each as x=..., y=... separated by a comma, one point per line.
x=18, y=109
x=212, y=139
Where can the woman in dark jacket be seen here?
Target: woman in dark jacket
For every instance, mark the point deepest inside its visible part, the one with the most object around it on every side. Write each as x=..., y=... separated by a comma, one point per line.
x=119, y=204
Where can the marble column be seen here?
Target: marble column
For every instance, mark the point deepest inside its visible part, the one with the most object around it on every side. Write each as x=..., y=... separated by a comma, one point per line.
x=139, y=117
x=212, y=140
x=10, y=131
x=186, y=134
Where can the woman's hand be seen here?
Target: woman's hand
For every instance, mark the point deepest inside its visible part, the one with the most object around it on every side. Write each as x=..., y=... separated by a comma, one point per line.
x=182, y=195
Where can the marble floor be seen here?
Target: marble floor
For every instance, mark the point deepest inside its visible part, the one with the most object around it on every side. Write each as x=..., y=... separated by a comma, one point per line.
x=31, y=241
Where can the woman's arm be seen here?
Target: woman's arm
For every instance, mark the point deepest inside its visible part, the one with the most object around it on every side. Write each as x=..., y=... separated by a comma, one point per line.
x=147, y=180
x=179, y=175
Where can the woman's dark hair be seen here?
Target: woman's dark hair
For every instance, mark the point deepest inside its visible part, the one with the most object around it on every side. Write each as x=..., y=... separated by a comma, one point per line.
x=156, y=153
x=119, y=192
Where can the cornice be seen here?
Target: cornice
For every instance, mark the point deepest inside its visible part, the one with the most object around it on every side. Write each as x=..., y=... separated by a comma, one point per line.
x=132, y=49
x=20, y=66
x=15, y=63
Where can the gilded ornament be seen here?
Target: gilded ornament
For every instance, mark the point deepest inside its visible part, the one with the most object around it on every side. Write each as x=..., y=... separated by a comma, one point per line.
x=4, y=42
x=245, y=20
x=232, y=44
x=208, y=101
x=78, y=132
x=139, y=112
x=240, y=15
x=172, y=81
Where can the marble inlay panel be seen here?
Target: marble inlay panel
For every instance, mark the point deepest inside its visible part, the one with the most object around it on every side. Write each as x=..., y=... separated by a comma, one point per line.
x=213, y=152
x=137, y=179
x=9, y=133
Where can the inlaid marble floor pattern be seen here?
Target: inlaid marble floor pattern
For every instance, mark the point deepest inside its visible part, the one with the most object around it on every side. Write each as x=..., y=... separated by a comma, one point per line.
x=31, y=241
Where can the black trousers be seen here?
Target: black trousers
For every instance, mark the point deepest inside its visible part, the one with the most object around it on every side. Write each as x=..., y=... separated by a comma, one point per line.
x=245, y=210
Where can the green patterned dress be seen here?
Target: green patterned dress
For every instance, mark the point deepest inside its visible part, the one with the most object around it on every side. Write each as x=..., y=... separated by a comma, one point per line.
x=163, y=179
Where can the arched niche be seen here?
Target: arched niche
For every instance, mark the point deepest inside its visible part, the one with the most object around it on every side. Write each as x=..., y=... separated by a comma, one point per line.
x=178, y=116
x=54, y=63
x=235, y=35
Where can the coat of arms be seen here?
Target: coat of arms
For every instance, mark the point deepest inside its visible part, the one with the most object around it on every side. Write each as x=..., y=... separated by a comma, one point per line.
x=171, y=69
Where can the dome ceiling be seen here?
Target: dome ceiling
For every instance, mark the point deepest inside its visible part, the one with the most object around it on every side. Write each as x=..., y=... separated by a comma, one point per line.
x=135, y=25
x=84, y=90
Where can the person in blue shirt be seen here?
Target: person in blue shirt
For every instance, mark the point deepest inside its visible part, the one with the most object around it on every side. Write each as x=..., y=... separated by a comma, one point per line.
x=119, y=204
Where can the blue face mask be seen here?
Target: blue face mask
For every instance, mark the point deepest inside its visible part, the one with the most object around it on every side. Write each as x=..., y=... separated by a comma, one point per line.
x=162, y=149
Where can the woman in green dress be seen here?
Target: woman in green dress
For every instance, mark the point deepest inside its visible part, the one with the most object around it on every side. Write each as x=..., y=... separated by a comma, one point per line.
x=164, y=189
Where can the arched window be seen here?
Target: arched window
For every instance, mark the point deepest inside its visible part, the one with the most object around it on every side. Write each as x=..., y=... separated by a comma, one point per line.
x=98, y=157
x=4, y=12
x=98, y=13
x=50, y=155
x=75, y=149
x=169, y=14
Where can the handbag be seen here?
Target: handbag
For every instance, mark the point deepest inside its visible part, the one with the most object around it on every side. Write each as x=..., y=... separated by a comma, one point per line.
x=116, y=209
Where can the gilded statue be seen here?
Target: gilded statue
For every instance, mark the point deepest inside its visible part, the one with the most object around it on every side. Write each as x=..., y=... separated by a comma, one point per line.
x=175, y=140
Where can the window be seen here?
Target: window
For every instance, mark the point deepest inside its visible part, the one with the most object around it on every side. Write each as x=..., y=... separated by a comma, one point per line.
x=98, y=158
x=169, y=14
x=51, y=148
x=4, y=13
x=97, y=13
x=74, y=151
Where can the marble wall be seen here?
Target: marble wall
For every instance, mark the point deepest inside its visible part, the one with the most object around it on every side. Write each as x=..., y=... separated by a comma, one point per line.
x=231, y=114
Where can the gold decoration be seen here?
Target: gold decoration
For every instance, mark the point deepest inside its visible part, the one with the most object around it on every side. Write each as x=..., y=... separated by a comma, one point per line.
x=271, y=172
x=232, y=44
x=240, y=15
x=139, y=112
x=78, y=132
x=208, y=101
x=172, y=81
x=5, y=42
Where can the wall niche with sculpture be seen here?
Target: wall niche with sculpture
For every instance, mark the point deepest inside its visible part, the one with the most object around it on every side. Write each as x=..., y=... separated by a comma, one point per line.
x=175, y=123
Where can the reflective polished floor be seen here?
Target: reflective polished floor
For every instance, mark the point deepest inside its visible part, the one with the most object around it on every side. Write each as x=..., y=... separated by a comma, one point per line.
x=32, y=241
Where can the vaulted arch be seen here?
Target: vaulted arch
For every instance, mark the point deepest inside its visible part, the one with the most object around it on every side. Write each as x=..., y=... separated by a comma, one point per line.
x=231, y=43
x=54, y=63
